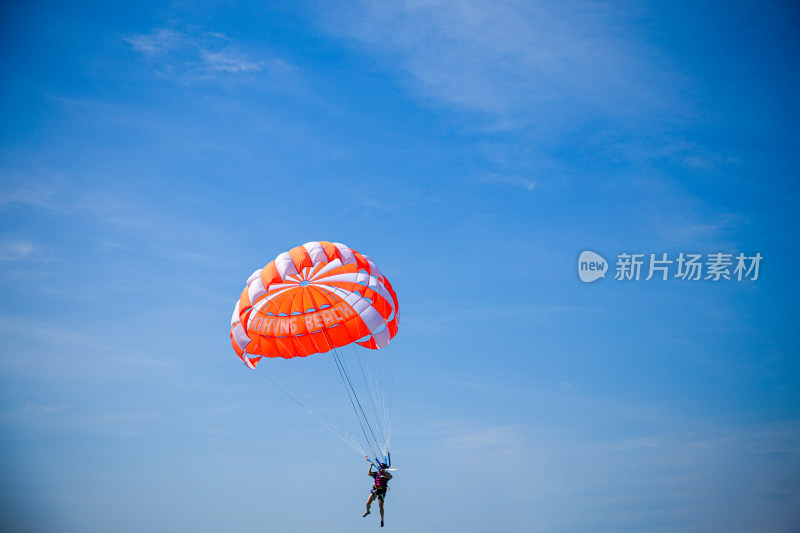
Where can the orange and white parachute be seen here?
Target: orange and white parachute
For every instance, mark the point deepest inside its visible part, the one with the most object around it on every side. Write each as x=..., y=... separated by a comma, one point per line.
x=311, y=299
x=315, y=299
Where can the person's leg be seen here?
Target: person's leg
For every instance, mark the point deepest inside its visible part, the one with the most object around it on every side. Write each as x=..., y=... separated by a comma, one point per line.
x=380, y=505
x=369, y=503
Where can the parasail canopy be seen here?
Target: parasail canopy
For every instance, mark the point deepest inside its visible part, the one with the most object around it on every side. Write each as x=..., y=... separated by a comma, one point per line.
x=311, y=299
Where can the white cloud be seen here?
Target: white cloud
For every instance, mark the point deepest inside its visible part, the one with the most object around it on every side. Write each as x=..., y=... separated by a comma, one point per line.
x=35, y=347
x=157, y=42
x=39, y=195
x=510, y=179
x=187, y=55
x=481, y=438
x=226, y=61
x=677, y=474
x=16, y=250
x=516, y=61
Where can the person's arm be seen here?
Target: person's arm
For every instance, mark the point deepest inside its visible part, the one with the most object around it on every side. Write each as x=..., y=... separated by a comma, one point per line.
x=388, y=475
x=369, y=472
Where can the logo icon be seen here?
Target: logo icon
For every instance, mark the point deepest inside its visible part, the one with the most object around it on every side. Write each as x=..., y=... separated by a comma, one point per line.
x=591, y=266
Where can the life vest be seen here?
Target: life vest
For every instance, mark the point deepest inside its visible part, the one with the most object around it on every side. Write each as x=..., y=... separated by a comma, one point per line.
x=381, y=480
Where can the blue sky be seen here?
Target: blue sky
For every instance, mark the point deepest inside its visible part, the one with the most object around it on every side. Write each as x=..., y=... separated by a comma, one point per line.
x=153, y=155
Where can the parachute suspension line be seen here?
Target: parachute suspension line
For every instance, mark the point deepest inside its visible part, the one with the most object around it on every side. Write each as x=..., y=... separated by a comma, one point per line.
x=353, y=399
x=390, y=363
x=344, y=436
x=374, y=397
x=363, y=420
x=371, y=385
x=391, y=352
x=383, y=395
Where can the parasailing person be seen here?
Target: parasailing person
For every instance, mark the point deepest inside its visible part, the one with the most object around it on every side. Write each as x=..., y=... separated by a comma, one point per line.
x=380, y=487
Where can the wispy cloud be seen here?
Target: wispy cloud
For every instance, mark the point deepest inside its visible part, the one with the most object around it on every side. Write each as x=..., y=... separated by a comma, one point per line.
x=210, y=54
x=515, y=61
x=157, y=42
x=509, y=179
x=497, y=438
x=17, y=191
x=227, y=61
x=15, y=250
x=679, y=470
x=33, y=410
x=125, y=217
x=33, y=348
